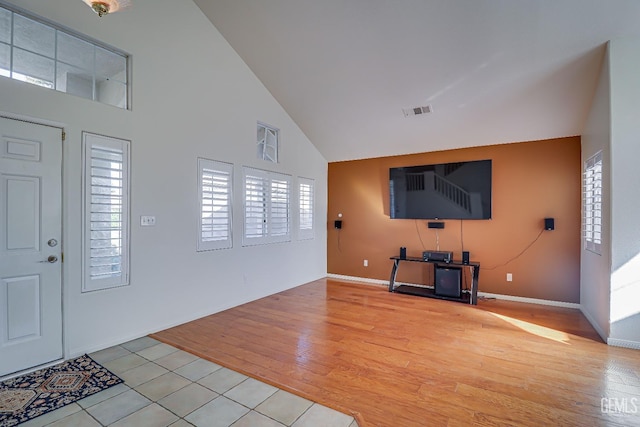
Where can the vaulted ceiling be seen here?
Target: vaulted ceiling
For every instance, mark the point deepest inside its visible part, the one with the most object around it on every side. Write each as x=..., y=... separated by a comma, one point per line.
x=493, y=71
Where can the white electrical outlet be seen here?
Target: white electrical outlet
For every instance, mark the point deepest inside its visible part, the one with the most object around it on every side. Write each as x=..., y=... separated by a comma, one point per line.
x=509, y=277
x=366, y=263
x=147, y=221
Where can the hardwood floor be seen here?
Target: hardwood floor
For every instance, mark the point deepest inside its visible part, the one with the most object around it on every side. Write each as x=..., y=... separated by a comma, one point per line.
x=399, y=360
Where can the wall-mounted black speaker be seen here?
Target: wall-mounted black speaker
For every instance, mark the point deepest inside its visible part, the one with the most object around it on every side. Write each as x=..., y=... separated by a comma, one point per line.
x=337, y=224
x=435, y=224
x=465, y=257
x=448, y=282
x=403, y=253
x=549, y=224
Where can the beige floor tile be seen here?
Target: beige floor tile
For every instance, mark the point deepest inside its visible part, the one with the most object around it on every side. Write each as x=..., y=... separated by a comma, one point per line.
x=175, y=360
x=220, y=412
x=254, y=419
x=122, y=364
x=53, y=416
x=250, y=392
x=222, y=380
x=188, y=399
x=197, y=369
x=284, y=407
x=319, y=415
x=140, y=344
x=103, y=395
x=143, y=373
x=109, y=354
x=157, y=351
x=162, y=386
x=79, y=419
x=181, y=423
x=118, y=407
x=153, y=415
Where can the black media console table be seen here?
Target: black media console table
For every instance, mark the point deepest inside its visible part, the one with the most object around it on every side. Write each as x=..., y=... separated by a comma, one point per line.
x=469, y=296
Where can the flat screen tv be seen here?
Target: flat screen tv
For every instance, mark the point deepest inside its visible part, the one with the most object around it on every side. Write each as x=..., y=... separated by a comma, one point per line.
x=459, y=190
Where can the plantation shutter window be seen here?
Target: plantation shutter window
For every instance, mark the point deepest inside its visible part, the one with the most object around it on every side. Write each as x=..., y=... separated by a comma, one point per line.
x=215, y=214
x=306, y=200
x=267, y=207
x=592, y=204
x=106, y=212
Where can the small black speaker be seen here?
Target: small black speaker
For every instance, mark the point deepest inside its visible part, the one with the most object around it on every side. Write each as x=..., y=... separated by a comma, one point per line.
x=448, y=283
x=403, y=253
x=337, y=224
x=549, y=224
x=465, y=257
x=435, y=224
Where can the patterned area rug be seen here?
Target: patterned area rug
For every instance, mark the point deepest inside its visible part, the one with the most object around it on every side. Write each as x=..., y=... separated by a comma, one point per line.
x=29, y=396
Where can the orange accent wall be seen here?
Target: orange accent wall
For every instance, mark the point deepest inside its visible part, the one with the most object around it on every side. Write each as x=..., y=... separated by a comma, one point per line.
x=531, y=181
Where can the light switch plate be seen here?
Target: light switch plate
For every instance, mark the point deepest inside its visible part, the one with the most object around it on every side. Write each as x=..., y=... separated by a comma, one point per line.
x=147, y=221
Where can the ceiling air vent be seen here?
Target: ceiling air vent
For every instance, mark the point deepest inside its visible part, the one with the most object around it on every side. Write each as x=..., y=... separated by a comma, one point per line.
x=417, y=111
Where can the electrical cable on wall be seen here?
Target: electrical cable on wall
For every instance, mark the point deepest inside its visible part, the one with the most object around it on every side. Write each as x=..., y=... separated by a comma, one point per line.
x=461, y=237
x=419, y=236
x=339, y=250
x=520, y=254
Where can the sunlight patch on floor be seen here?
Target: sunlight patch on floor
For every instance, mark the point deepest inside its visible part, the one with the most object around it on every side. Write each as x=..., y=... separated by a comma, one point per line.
x=534, y=329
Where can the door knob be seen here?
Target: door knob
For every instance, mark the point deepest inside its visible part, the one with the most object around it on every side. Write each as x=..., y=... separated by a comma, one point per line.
x=51, y=259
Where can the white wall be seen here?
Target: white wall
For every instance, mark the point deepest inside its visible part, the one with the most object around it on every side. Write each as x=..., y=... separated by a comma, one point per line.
x=192, y=96
x=595, y=269
x=625, y=197
x=610, y=283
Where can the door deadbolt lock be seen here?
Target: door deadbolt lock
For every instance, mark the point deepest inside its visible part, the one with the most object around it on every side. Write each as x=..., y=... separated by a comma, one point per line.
x=52, y=243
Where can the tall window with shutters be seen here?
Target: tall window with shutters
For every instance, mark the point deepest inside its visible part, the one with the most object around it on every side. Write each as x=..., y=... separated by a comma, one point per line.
x=105, y=212
x=592, y=204
x=267, y=207
x=306, y=200
x=215, y=215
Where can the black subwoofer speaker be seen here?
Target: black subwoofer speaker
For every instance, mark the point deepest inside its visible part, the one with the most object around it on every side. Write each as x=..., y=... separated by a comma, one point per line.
x=403, y=252
x=448, y=282
x=465, y=257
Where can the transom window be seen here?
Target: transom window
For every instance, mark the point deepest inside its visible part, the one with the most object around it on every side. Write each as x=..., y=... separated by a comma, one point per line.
x=267, y=142
x=39, y=53
x=592, y=198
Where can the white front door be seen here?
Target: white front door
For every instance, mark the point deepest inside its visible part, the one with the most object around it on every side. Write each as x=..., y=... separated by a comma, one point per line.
x=30, y=245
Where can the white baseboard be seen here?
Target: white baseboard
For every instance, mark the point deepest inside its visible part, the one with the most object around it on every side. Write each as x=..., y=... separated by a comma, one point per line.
x=530, y=300
x=623, y=343
x=480, y=294
x=359, y=279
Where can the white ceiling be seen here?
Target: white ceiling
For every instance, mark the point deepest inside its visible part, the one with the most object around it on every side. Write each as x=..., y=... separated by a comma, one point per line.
x=495, y=71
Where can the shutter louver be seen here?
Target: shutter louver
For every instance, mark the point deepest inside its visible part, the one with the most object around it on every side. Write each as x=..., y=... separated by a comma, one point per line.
x=215, y=205
x=279, y=224
x=105, y=212
x=267, y=210
x=592, y=219
x=305, y=194
x=107, y=215
x=255, y=220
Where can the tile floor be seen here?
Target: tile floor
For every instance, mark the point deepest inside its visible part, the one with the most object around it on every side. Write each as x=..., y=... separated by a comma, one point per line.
x=164, y=386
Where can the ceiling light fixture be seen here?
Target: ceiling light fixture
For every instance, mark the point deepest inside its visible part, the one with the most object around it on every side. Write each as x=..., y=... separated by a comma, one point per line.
x=104, y=7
